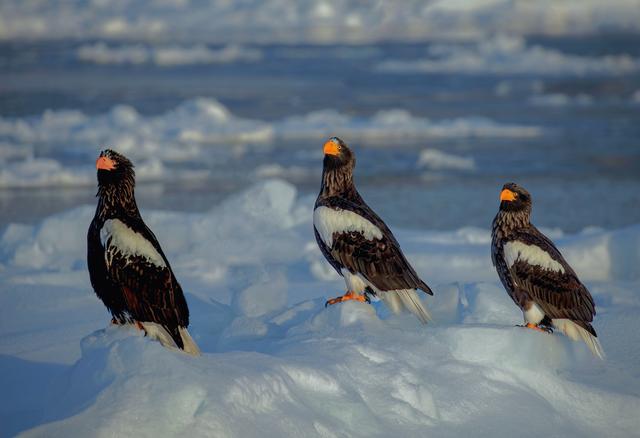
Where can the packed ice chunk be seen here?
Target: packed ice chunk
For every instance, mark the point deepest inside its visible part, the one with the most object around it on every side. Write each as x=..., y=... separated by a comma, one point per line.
x=266, y=294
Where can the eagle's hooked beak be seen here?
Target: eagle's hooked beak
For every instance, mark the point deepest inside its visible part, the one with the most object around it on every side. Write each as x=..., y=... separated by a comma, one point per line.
x=105, y=163
x=331, y=147
x=507, y=195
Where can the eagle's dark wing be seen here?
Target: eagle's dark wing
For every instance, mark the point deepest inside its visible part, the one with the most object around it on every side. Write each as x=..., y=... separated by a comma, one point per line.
x=149, y=288
x=326, y=252
x=105, y=289
x=378, y=259
x=559, y=293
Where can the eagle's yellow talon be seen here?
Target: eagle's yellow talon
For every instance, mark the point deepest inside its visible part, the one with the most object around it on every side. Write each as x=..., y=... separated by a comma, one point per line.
x=346, y=297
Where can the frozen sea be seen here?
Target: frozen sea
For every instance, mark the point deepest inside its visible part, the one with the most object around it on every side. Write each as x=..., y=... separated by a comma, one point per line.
x=437, y=127
x=227, y=140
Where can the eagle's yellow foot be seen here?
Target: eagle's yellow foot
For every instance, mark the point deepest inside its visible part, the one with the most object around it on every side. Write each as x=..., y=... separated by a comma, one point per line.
x=346, y=297
x=538, y=328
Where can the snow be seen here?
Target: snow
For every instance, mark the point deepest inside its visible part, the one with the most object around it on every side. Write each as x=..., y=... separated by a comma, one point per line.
x=315, y=21
x=434, y=159
x=277, y=363
x=278, y=171
x=48, y=172
x=508, y=55
x=263, y=296
x=41, y=172
x=397, y=124
x=561, y=100
x=196, y=133
x=165, y=56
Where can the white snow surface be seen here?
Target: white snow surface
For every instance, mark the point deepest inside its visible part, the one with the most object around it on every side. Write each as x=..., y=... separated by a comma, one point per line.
x=561, y=100
x=434, y=159
x=314, y=21
x=193, y=132
x=275, y=362
x=509, y=55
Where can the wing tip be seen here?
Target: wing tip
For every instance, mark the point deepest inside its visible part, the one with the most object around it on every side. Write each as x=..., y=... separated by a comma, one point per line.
x=426, y=289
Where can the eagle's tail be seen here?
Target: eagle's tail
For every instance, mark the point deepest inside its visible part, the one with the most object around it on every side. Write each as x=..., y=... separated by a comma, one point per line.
x=408, y=299
x=574, y=331
x=162, y=334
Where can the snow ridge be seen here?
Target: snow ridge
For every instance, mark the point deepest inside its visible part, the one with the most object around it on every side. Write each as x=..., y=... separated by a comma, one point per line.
x=270, y=349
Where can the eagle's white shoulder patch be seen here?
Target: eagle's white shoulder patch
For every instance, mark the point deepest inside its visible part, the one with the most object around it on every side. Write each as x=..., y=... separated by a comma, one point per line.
x=116, y=236
x=532, y=254
x=329, y=221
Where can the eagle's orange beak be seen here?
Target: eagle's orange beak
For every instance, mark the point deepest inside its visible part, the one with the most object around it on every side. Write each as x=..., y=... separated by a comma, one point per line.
x=105, y=163
x=507, y=195
x=331, y=148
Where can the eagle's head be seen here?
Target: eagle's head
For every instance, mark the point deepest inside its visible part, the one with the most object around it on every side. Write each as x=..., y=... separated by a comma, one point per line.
x=114, y=168
x=514, y=198
x=338, y=155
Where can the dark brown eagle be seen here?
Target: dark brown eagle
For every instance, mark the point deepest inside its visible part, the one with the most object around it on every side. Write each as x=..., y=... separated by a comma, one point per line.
x=358, y=244
x=128, y=270
x=535, y=274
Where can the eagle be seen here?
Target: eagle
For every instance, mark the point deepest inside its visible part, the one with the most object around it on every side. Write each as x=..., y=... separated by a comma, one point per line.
x=358, y=244
x=536, y=276
x=128, y=270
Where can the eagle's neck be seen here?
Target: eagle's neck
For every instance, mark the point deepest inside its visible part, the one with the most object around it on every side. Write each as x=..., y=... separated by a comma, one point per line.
x=507, y=222
x=117, y=200
x=338, y=182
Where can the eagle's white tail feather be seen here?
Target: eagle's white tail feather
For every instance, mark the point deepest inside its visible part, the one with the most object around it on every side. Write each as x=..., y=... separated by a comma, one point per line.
x=190, y=345
x=156, y=331
x=392, y=300
x=409, y=299
x=576, y=333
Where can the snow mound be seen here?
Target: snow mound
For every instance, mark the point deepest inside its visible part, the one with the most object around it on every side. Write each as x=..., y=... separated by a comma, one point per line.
x=272, y=350
x=506, y=55
x=165, y=56
x=315, y=21
x=188, y=141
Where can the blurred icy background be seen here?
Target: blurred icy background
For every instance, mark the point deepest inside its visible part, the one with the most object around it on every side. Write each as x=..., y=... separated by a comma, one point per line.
x=219, y=101
x=443, y=101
